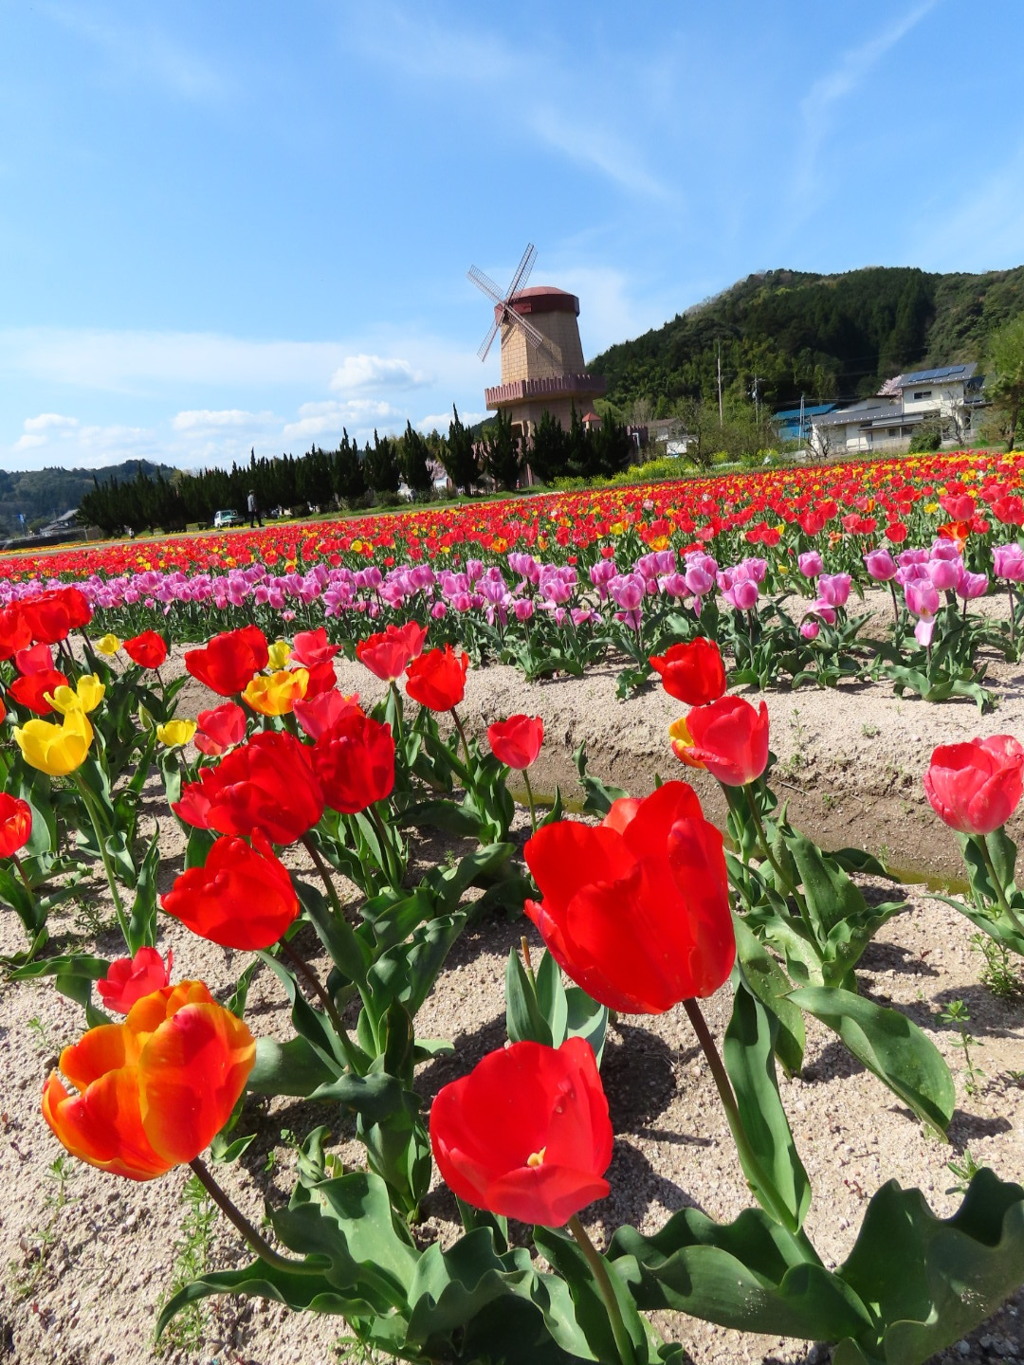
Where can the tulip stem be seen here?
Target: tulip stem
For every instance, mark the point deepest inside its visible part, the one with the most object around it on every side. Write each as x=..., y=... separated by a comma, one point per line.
x=599, y=1269
x=325, y=876
x=97, y=825
x=764, y=1188
x=22, y=873
x=527, y=962
x=990, y=867
x=529, y=797
x=234, y=1215
x=393, y=870
x=762, y=841
x=462, y=735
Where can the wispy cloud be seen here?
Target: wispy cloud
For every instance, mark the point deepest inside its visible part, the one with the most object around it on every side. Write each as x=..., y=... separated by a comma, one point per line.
x=327, y=419
x=842, y=80
x=981, y=229
x=580, y=125
x=143, y=53
x=52, y=436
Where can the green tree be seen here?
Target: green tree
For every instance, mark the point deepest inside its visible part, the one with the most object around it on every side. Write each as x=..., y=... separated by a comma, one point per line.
x=1006, y=361
x=349, y=481
x=503, y=457
x=413, y=453
x=459, y=455
x=548, y=456
x=380, y=467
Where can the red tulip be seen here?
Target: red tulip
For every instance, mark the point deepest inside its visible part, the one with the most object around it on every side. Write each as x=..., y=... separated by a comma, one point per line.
x=242, y=898
x=267, y=785
x=228, y=661
x=437, y=679
x=51, y=616
x=389, y=653
x=130, y=978
x=692, y=673
x=37, y=659
x=636, y=910
x=975, y=787
x=323, y=711
x=516, y=742
x=526, y=1134
x=15, y=632
x=155, y=1090
x=148, y=650
x=220, y=729
x=31, y=690
x=15, y=824
x=312, y=647
x=355, y=762
x=727, y=737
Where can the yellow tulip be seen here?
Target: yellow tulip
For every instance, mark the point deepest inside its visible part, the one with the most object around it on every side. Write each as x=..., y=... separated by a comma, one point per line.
x=55, y=749
x=85, y=697
x=277, y=694
x=176, y=733
x=280, y=652
x=109, y=645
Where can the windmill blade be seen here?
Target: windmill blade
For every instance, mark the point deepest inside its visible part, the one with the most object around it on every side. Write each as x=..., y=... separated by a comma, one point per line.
x=523, y=272
x=517, y=320
x=485, y=345
x=485, y=283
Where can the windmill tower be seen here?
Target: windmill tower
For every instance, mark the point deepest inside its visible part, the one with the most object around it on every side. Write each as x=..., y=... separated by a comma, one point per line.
x=542, y=366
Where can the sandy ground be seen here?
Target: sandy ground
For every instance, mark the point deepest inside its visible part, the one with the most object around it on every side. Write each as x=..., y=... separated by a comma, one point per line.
x=86, y=1260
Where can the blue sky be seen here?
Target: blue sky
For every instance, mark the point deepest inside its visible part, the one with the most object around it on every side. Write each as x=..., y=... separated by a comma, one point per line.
x=248, y=224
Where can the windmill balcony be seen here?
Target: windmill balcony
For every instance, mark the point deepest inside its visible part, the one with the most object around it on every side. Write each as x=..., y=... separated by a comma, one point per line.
x=561, y=386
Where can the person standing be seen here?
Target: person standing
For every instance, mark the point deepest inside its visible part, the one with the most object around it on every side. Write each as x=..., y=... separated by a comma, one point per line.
x=253, y=507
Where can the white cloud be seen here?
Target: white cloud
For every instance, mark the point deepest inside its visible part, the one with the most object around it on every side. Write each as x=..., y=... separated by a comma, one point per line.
x=49, y=421
x=199, y=420
x=327, y=419
x=374, y=372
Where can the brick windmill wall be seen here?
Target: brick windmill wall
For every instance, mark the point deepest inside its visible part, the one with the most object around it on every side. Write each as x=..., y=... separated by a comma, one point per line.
x=549, y=377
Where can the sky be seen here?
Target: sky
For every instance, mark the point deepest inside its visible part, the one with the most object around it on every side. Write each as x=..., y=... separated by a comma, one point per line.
x=247, y=225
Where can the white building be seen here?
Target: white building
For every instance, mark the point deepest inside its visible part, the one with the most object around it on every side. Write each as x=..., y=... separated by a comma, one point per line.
x=948, y=397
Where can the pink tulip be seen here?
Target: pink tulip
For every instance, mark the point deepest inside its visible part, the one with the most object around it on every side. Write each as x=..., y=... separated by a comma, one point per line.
x=810, y=564
x=880, y=565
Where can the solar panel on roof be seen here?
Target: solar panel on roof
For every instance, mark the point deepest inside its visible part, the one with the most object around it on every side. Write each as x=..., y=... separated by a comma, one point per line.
x=943, y=372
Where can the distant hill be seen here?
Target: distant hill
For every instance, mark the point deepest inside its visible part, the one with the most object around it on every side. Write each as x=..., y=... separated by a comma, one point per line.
x=828, y=337
x=41, y=495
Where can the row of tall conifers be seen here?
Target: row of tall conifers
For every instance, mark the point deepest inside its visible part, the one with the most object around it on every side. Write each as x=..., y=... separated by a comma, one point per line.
x=352, y=477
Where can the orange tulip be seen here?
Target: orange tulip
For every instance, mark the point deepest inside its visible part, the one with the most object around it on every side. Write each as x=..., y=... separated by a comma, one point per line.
x=155, y=1090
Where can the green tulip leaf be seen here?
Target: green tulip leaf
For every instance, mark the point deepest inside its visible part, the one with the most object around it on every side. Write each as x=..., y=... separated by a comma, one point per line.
x=764, y=977
x=772, y=1164
x=297, y=1291
x=749, y=1275
x=891, y=1046
x=292, y=1068
x=927, y=1280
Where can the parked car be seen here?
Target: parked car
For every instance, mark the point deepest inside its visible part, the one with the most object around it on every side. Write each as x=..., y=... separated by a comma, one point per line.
x=227, y=517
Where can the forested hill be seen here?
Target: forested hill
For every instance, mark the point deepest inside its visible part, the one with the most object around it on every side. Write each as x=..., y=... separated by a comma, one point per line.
x=824, y=336
x=40, y=495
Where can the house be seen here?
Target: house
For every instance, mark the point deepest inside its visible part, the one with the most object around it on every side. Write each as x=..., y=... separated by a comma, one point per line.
x=946, y=398
x=794, y=424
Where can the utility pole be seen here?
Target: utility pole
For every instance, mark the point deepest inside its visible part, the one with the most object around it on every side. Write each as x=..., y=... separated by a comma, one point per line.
x=802, y=435
x=721, y=418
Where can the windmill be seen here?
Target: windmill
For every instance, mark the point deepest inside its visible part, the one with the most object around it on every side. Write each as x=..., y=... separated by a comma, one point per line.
x=542, y=365
x=505, y=314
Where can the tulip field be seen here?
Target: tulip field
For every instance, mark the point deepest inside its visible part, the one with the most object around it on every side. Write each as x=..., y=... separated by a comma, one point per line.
x=258, y=829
